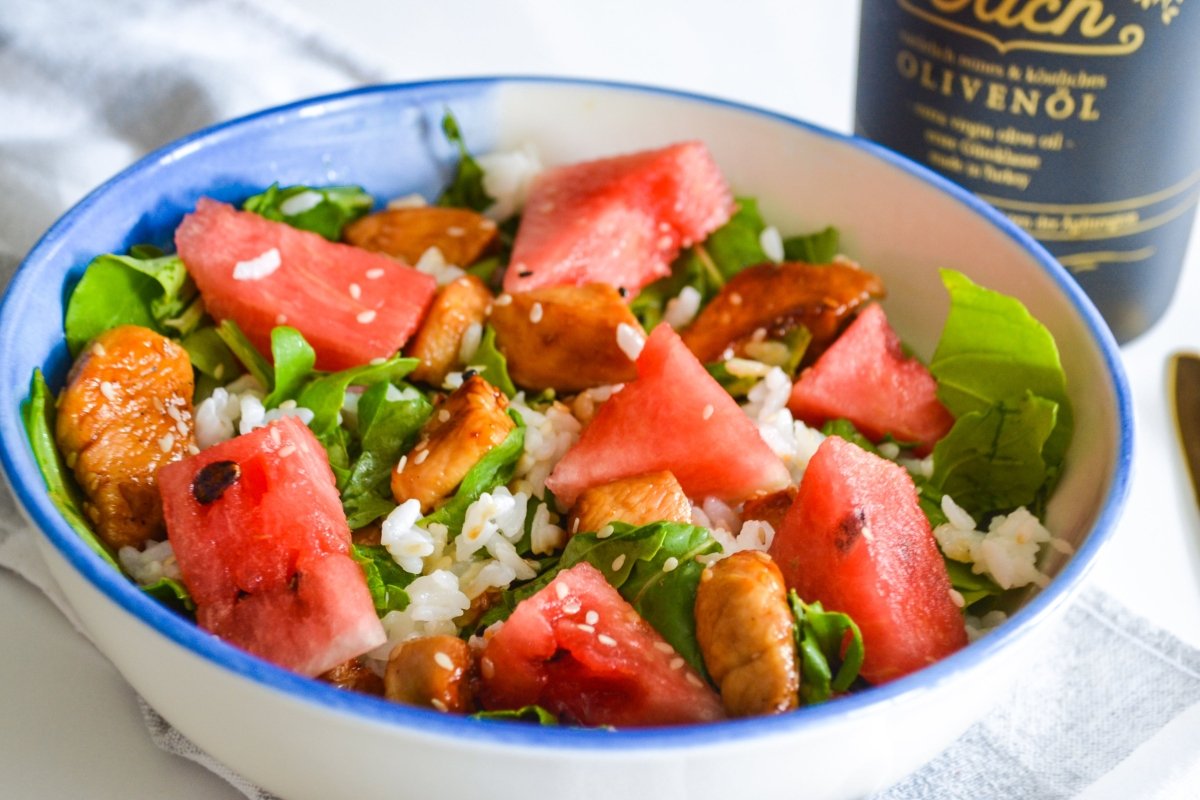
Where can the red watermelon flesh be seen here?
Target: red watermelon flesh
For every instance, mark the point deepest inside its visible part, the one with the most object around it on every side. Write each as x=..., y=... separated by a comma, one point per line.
x=579, y=650
x=268, y=560
x=619, y=220
x=351, y=305
x=866, y=378
x=855, y=540
x=674, y=416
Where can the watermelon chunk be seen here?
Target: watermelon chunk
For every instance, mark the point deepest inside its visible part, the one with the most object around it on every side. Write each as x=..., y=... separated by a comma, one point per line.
x=619, y=220
x=351, y=305
x=579, y=650
x=866, y=378
x=674, y=416
x=266, y=554
x=855, y=540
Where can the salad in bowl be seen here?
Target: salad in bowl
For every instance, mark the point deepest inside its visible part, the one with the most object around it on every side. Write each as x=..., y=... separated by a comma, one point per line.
x=581, y=438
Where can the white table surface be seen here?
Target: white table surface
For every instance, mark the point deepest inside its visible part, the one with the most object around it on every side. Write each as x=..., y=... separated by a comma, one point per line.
x=69, y=725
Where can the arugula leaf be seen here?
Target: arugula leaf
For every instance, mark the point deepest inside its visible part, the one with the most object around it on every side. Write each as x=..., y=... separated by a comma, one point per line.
x=210, y=355
x=738, y=243
x=389, y=421
x=38, y=414
x=326, y=394
x=633, y=560
x=813, y=248
x=496, y=468
x=737, y=386
x=171, y=593
x=847, y=430
x=246, y=353
x=821, y=637
x=386, y=579
x=126, y=290
x=973, y=588
x=493, y=363
x=466, y=190
x=322, y=210
x=992, y=461
x=293, y=359
x=523, y=714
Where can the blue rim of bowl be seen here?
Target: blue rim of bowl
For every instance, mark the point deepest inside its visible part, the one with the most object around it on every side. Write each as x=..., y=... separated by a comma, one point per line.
x=18, y=461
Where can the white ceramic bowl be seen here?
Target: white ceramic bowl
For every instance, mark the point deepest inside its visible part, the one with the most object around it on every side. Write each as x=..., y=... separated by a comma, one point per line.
x=302, y=739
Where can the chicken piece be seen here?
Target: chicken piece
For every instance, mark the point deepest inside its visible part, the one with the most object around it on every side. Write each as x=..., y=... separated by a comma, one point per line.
x=776, y=298
x=354, y=676
x=639, y=500
x=565, y=337
x=126, y=411
x=770, y=508
x=406, y=233
x=744, y=628
x=468, y=424
x=434, y=672
x=458, y=305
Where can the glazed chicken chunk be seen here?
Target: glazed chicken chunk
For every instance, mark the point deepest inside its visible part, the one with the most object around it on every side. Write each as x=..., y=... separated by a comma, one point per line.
x=126, y=411
x=458, y=305
x=434, y=672
x=460, y=234
x=639, y=500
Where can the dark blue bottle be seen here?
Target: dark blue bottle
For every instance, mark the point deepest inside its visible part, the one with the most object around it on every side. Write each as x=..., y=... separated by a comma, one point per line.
x=1079, y=119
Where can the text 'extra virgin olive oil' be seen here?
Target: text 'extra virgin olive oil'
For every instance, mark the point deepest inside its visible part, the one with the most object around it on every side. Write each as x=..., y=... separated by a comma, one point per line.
x=1079, y=119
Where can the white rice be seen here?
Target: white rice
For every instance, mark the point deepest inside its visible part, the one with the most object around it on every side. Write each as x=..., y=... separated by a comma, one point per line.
x=507, y=176
x=631, y=340
x=548, y=436
x=408, y=544
x=299, y=203
x=1007, y=552
x=262, y=265
x=408, y=201
x=237, y=409
x=681, y=310
x=432, y=262
x=148, y=566
x=791, y=440
x=771, y=242
x=435, y=601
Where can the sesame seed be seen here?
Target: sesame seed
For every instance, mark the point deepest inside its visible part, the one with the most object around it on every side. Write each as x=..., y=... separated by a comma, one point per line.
x=665, y=243
x=486, y=667
x=604, y=638
x=374, y=273
x=438, y=704
x=664, y=647
x=630, y=340
x=575, y=525
x=708, y=411
x=443, y=415
x=591, y=618
x=677, y=663
x=287, y=450
x=604, y=532
x=99, y=350
x=561, y=590
x=535, y=313
x=571, y=607
x=377, y=360
x=421, y=456
x=547, y=207
x=487, y=224
x=618, y=562
x=288, y=405
x=109, y=390
x=182, y=427
x=276, y=437
x=355, y=291
x=192, y=449
x=586, y=628
x=735, y=298
x=693, y=680
x=366, y=317
x=443, y=660
x=670, y=564
x=281, y=319
x=401, y=463
x=504, y=299
x=456, y=231
x=664, y=227
x=166, y=442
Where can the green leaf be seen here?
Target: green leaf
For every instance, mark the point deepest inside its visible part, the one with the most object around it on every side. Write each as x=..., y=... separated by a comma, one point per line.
x=821, y=636
x=386, y=580
x=973, y=588
x=738, y=386
x=738, y=243
x=293, y=359
x=466, y=190
x=38, y=414
x=813, y=248
x=325, y=395
x=389, y=422
x=210, y=355
x=246, y=353
x=846, y=429
x=523, y=714
x=992, y=350
x=171, y=593
x=496, y=468
x=492, y=364
x=126, y=290
x=322, y=210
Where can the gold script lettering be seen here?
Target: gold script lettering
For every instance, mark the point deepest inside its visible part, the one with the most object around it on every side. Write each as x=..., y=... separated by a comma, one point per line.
x=1056, y=19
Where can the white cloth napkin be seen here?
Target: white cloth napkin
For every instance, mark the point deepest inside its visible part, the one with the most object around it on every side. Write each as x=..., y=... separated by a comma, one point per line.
x=1109, y=709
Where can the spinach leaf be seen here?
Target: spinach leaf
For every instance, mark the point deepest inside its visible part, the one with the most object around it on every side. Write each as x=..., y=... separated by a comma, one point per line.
x=635, y=561
x=496, y=468
x=386, y=579
x=813, y=248
x=973, y=588
x=126, y=290
x=991, y=350
x=245, y=352
x=466, y=190
x=523, y=714
x=293, y=359
x=38, y=415
x=322, y=210
x=389, y=421
x=737, y=244
x=326, y=394
x=821, y=636
x=492, y=363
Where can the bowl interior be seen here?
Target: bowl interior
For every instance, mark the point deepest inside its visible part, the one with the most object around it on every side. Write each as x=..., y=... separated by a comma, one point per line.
x=896, y=219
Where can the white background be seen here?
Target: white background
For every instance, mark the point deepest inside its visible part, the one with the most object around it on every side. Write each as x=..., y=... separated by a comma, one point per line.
x=71, y=726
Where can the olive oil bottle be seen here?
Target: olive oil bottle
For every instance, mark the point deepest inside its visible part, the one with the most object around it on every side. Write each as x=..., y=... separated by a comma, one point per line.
x=1078, y=119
